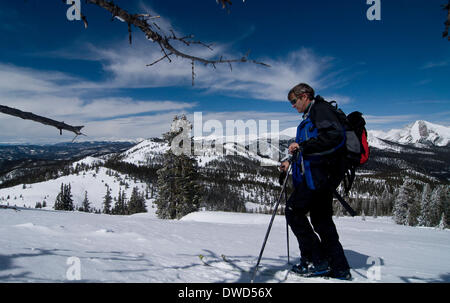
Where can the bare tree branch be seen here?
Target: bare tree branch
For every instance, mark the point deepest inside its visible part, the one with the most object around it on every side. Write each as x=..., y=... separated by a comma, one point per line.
x=140, y=21
x=30, y=116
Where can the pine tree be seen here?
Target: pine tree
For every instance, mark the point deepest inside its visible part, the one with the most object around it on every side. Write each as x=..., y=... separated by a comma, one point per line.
x=124, y=203
x=435, y=206
x=120, y=207
x=64, y=199
x=404, y=211
x=137, y=202
x=86, y=205
x=178, y=186
x=189, y=187
x=426, y=211
x=59, y=204
x=107, y=201
x=68, y=201
x=413, y=212
x=165, y=198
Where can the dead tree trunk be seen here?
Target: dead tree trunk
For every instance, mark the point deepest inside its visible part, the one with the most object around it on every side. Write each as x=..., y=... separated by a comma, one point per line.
x=30, y=116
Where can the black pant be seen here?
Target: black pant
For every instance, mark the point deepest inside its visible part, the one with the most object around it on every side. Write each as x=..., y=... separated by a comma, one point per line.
x=319, y=204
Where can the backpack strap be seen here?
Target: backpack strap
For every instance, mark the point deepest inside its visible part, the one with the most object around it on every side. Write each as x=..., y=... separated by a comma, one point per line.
x=334, y=104
x=349, y=178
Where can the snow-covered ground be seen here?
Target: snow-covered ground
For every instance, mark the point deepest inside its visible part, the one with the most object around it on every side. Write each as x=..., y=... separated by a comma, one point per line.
x=94, y=182
x=50, y=246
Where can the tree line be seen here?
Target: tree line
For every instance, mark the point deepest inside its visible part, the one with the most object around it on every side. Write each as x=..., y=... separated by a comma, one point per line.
x=119, y=205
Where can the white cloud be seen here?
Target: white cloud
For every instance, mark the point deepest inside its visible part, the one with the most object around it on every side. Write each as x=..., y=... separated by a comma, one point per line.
x=19, y=80
x=127, y=67
x=63, y=97
x=113, y=107
x=46, y=94
x=270, y=83
x=74, y=108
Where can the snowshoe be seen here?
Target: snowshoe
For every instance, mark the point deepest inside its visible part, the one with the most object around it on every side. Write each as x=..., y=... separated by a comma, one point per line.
x=340, y=274
x=310, y=270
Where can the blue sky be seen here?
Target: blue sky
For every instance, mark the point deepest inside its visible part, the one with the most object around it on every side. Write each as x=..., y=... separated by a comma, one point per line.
x=395, y=70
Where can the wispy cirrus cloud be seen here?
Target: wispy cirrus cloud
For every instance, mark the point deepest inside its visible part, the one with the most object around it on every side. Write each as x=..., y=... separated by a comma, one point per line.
x=127, y=67
x=54, y=95
x=21, y=80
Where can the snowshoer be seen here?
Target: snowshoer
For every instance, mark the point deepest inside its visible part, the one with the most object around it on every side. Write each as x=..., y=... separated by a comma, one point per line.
x=316, y=173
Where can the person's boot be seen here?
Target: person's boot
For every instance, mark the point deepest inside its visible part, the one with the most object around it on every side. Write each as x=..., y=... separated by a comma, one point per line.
x=301, y=268
x=312, y=270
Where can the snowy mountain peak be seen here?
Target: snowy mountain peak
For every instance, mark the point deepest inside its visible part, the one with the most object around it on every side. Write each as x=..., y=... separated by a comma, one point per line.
x=418, y=133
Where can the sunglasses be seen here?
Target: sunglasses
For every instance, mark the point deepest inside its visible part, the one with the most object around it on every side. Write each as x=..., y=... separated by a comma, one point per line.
x=293, y=101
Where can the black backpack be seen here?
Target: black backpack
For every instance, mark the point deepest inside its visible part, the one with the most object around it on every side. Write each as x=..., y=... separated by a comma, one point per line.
x=357, y=149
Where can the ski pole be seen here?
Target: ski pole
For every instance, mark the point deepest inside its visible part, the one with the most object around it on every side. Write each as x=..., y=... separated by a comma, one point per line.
x=271, y=220
x=287, y=228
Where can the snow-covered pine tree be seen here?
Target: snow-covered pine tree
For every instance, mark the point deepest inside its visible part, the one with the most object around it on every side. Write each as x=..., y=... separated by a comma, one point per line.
x=426, y=211
x=436, y=208
x=414, y=212
x=166, y=189
x=107, y=201
x=178, y=187
x=402, y=211
x=189, y=187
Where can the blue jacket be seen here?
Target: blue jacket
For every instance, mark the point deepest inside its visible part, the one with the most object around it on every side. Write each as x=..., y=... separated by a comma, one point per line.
x=320, y=135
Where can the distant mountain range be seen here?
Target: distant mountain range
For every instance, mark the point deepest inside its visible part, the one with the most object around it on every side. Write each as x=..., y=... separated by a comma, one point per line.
x=420, y=134
x=242, y=172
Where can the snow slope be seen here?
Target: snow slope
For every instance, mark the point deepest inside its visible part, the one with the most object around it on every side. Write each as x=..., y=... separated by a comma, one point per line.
x=93, y=181
x=148, y=150
x=36, y=246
